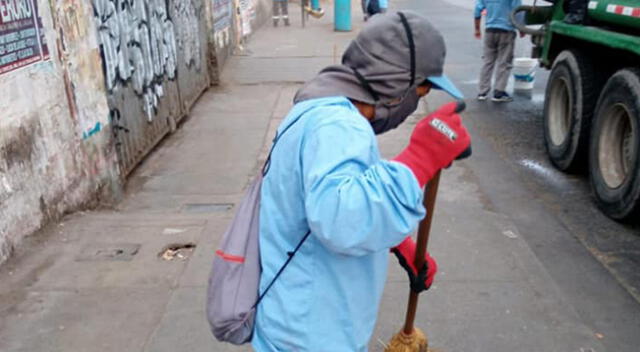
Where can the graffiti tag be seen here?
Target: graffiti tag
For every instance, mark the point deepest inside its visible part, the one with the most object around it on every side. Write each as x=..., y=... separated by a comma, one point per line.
x=186, y=17
x=138, y=46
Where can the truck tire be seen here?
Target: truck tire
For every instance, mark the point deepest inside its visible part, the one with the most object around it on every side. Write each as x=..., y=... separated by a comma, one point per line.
x=570, y=98
x=614, y=156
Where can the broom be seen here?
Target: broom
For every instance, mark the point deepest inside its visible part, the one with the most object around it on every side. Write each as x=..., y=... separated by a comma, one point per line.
x=410, y=338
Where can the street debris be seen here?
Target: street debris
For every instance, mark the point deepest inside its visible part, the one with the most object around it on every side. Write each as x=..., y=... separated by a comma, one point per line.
x=177, y=251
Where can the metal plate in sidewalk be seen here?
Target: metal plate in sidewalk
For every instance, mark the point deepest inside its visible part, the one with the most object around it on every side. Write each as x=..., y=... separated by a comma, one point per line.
x=108, y=252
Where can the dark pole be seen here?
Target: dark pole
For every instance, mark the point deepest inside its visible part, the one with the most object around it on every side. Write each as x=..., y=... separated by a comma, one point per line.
x=424, y=228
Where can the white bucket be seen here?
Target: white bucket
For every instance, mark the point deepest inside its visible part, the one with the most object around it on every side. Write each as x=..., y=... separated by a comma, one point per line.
x=524, y=72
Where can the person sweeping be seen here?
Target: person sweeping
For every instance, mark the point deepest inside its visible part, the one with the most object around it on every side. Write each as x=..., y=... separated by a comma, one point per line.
x=327, y=182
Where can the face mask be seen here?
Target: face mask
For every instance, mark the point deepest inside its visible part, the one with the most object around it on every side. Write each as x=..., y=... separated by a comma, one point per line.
x=389, y=116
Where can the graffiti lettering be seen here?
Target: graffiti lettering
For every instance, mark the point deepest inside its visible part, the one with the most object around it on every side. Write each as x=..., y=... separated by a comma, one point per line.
x=138, y=46
x=186, y=17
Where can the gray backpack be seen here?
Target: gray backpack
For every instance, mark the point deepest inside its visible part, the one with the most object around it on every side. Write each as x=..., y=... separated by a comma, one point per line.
x=232, y=295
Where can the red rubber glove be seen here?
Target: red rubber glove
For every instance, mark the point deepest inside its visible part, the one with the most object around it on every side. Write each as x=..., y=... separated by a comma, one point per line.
x=436, y=141
x=406, y=254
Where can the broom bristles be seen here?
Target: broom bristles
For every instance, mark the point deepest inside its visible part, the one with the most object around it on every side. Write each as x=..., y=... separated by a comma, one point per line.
x=414, y=342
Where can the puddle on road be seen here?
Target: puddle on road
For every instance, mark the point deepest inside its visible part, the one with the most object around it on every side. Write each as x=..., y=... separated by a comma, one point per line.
x=538, y=98
x=535, y=98
x=548, y=173
x=536, y=167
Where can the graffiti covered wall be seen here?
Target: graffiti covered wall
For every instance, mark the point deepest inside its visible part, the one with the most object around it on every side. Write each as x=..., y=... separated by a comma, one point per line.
x=191, y=31
x=138, y=47
x=152, y=58
x=91, y=86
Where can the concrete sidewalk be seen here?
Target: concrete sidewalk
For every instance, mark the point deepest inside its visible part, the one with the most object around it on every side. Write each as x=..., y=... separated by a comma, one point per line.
x=96, y=281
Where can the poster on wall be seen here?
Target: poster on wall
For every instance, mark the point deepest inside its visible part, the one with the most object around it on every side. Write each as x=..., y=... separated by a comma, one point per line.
x=222, y=22
x=221, y=15
x=245, y=17
x=21, y=35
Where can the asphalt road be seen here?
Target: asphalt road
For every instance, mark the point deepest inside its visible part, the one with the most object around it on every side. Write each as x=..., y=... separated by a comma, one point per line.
x=594, y=261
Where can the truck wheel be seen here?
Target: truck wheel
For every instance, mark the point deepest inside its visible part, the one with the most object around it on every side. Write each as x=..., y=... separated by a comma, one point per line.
x=614, y=158
x=570, y=98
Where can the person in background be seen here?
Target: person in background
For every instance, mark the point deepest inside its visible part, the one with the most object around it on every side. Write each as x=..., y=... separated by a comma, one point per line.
x=373, y=7
x=384, y=5
x=499, y=43
x=315, y=10
x=280, y=10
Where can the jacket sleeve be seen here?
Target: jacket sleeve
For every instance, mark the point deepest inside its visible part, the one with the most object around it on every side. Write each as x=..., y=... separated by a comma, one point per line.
x=477, y=12
x=355, y=202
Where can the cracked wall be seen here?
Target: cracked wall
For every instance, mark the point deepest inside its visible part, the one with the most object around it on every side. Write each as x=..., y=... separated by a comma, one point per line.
x=56, y=152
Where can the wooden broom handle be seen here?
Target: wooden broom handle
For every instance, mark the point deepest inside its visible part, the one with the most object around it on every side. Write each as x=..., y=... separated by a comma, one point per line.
x=424, y=228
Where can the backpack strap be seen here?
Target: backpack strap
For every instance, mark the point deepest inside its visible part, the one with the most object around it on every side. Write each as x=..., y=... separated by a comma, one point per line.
x=290, y=256
x=265, y=169
x=267, y=163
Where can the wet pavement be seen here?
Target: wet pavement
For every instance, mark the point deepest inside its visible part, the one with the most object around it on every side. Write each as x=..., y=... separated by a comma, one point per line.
x=515, y=133
x=594, y=260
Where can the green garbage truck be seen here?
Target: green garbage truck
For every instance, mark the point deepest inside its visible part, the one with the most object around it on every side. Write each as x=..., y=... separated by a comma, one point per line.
x=592, y=97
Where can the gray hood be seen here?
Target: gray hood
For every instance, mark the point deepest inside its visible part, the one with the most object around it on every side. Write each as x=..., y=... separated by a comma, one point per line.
x=382, y=55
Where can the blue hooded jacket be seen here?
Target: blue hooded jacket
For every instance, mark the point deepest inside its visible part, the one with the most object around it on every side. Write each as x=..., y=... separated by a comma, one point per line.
x=326, y=175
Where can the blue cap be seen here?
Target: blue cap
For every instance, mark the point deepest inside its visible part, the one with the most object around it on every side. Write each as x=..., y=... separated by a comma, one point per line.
x=443, y=83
